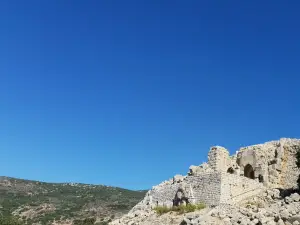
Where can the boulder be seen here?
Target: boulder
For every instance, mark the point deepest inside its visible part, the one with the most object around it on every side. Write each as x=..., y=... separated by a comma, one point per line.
x=295, y=197
x=294, y=218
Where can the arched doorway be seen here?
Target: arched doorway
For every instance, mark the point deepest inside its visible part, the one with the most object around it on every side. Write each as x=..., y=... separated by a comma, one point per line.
x=249, y=172
x=230, y=170
x=180, y=198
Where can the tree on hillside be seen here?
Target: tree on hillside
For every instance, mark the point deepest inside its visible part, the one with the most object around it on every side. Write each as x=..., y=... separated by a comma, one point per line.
x=87, y=221
x=9, y=221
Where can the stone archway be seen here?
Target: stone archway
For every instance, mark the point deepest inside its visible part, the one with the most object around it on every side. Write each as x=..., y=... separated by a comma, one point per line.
x=180, y=198
x=249, y=172
x=230, y=170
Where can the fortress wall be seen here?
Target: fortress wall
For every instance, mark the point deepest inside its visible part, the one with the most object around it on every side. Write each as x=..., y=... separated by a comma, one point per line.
x=206, y=188
x=163, y=195
x=210, y=188
x=288, y=170
x=274, y=160
x=236, y=188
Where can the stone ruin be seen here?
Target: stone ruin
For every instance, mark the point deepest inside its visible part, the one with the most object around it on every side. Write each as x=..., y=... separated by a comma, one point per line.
x=234, y=188
x=226, y=179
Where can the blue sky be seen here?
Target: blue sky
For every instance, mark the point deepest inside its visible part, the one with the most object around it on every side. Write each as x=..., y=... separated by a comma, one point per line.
x=130, y=93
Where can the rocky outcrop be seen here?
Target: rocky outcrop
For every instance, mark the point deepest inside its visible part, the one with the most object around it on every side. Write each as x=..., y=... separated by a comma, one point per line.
x=268, y=208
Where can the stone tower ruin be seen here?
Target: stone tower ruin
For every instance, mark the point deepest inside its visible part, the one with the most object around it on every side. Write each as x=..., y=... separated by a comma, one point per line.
x=218, y=158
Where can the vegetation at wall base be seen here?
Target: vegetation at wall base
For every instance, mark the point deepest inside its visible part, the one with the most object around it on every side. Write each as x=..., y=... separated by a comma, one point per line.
x=180, y=209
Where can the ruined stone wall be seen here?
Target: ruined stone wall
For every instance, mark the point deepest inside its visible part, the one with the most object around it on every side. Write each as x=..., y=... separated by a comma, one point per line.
x=163, y=195
x=260, y=157
x=210, y=188
x=289, y=171
x=237, y=188
x=211, y=184
x=274, y=161
x=205, y=188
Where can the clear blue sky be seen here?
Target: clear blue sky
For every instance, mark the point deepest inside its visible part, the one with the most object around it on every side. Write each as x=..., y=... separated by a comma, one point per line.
x=130, y=93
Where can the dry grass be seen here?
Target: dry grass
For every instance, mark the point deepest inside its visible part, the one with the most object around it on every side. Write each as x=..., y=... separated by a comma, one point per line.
x=180, y=209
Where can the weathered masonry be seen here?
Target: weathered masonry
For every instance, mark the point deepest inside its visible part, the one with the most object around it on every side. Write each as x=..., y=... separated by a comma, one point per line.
x=231, y=179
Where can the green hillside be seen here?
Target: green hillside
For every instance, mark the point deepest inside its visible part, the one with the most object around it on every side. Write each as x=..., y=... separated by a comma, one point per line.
x=66, y=203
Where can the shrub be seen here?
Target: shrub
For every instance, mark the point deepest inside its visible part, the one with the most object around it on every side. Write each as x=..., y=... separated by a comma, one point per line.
x=255, y=203
x=9, y=221
x=189, y=208
x=87, y=221
x=162, y=210
x=200, y=206
x=186, y=208
x=180, y=209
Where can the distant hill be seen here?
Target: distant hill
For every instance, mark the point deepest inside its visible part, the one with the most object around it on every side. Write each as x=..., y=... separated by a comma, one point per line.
x=43, y=203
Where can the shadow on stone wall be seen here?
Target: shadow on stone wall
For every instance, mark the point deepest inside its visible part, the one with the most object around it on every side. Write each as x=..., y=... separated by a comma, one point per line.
x=287, y=192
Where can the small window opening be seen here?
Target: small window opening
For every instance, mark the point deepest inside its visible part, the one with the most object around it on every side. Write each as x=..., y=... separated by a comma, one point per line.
x=260, y=178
